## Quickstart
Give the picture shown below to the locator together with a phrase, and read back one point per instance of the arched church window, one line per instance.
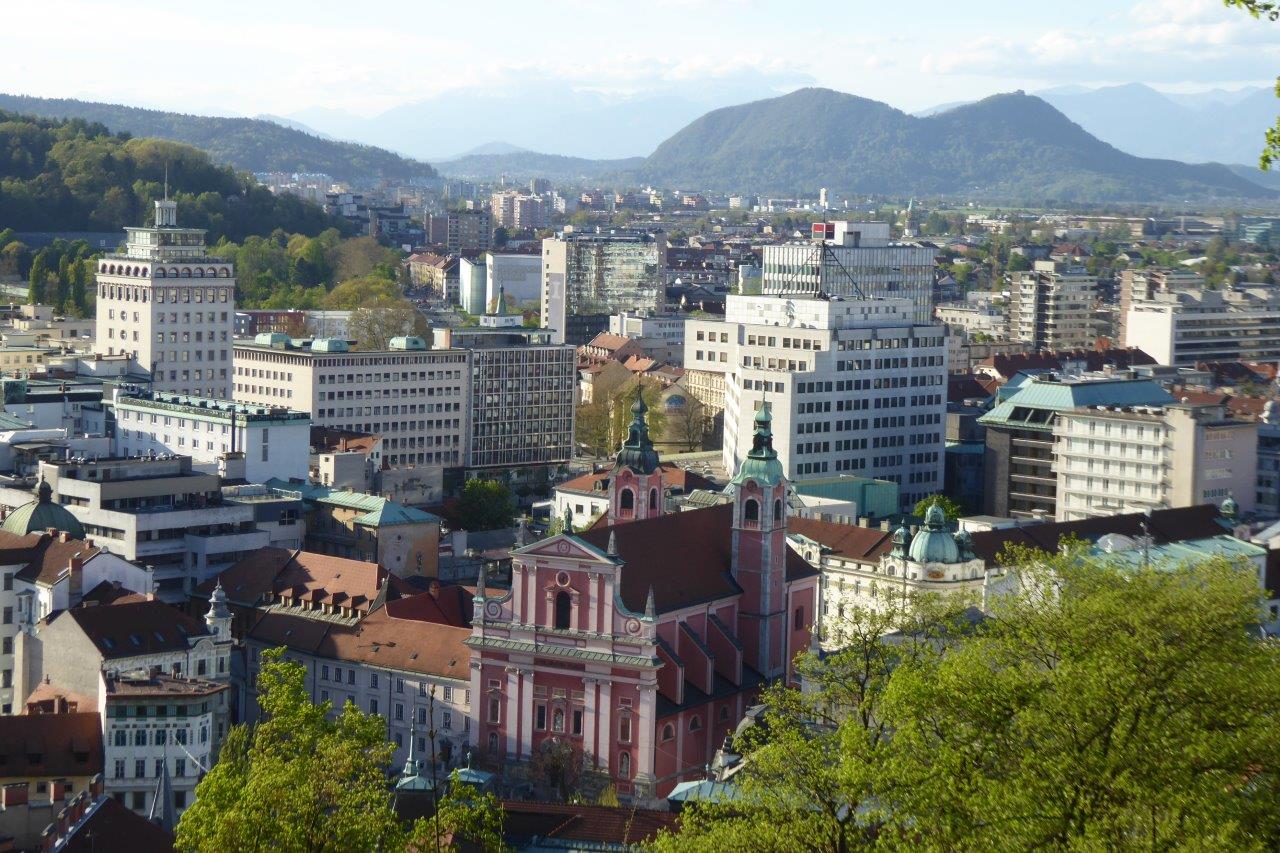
(777, 510)
(653, 499)
(627, 500)
(751, 511)
(564, 607)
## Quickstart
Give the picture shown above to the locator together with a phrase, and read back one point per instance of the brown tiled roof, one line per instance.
(1007, 365)
(673, 476)
(328, 440)
(850, 541)
(963, 387)
(136, 628)
(110, 592)
(111, 820)
(381, 639)
(48, 698)
(586, 825)
(302, 574)
(1164, 525)
(51, 744)
(52, 556)
(451, 605)
(685, 557)
(609, 341)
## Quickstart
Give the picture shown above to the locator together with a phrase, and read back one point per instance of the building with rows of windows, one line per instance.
(855, 386)
(169, 306)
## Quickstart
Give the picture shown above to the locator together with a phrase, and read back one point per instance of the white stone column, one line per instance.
(589, 715)
(526, 714)
(605, 734)
(513, 711)
(644, 722)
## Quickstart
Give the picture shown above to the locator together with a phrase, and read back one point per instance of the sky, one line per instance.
(285, 56)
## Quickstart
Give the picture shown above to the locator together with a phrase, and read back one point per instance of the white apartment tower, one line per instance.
(853, 260)
(856, 386)
(1052, 307)
(169, 306)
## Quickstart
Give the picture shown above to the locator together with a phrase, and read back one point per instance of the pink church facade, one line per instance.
(643, 641)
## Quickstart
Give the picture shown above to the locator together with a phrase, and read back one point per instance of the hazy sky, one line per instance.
(281, 56)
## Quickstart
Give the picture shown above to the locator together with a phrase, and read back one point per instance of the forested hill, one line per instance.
(1012, 146)
(253, 145)
(73, 175)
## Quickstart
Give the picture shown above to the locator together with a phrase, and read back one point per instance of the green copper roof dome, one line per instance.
(637, 451)
(933, 543)
(762, 463)
(42, 514)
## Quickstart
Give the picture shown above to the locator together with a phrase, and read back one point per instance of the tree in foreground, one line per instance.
(297, 780)
(1097, 708)
(950, 508)
(486, 505)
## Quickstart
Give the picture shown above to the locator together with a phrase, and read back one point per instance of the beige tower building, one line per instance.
(164, 302)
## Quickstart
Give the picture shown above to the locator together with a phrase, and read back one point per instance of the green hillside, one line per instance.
(73, 175)
(252, 145)
(1010, 146)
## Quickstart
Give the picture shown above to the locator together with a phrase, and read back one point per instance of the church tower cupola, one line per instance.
(760, 550)
(635, 489)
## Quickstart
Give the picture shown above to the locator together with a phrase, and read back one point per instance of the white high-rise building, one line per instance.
(1052, 307)
(855, 386)
(169, 306)
(854, 260)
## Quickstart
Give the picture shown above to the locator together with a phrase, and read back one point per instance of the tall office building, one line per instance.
(1187, 327)
(1143, 283)
(1051, 307)
(469, 231)
(169, 306)
(856, 260)
(587, 277)
(855, 386)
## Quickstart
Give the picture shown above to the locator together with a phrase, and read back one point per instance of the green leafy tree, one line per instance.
(298, 780)
(951, 508)
(38, 280)
(361, 256)
(593, 427)
(376, 321)
(81, 287)
(467, 820)
(486, 505)
(620, 401)
(1097, 707)
(354, 292)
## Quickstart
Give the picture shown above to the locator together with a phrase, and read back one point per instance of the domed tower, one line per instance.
(635, 489)
(218, 619)
(933, 543)
(43, 514)
(760, 551)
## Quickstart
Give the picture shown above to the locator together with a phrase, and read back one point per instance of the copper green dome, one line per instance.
(933, 543)
(762, 463)
(43, 514)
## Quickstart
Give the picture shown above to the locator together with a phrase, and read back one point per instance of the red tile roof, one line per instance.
(586, 825)
(109, 819)
(51, 745)
(328, 440)
(270, 572)
(685, 557)
(131, 629)
(1005, 366)
(673, 476)
(850, 541)
(53, 557)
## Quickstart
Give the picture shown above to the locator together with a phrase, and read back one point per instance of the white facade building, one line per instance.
(1185, 327)
(518, 276)
(169, 306)
(853, 260)
(471, 281)
(415, 398)
(274, 441)
(1051, 307)
(1111, 460)
(854, 385)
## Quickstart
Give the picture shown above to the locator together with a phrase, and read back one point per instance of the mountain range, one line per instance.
(253, 145)
(1012, 146)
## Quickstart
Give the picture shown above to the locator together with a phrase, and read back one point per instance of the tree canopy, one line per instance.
(72, 175)
(1094, 708)
(486, 505)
